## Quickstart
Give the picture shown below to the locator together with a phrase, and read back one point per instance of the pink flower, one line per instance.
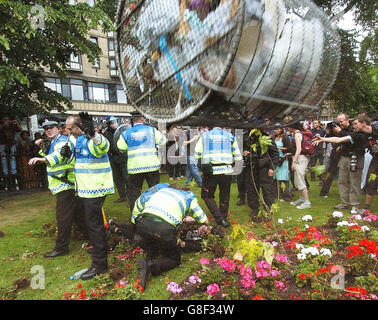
(281, 258)
(226, 264)
(274, 273)
(280, 285)
(204, 261)
(213, 289)
(193, 279)
(262, 264)
(174, 287)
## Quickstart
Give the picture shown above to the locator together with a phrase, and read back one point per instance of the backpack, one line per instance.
(307, 148)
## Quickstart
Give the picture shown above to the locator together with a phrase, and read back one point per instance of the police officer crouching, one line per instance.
(94, 182)
(157, 214)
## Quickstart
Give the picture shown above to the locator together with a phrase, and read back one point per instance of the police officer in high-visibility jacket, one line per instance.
(61, 183)
(141, 142)
(157, 214)
(94, 181)
(218, 150)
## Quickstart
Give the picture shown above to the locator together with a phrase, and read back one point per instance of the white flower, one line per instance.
(280, 221)
(357, 217)
(299, 246)
(337, 214)
(307, 226)
(326, 252)
(301, 256)
(373, 256)
(307, 218)
(352, 224)
(342, 223)
(365, 228)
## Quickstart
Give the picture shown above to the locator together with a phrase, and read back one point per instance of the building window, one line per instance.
(98, 92)
(54, 84)
(75, 63)
(113, 68)
(111, 47)
(121, 96)
(97, 60)
(77, 91)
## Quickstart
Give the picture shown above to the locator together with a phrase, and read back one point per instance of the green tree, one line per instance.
(28, 46)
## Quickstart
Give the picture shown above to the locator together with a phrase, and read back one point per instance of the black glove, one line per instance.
(66, 152)
(88, 126)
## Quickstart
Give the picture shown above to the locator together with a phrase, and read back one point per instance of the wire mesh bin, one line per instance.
(225, 60)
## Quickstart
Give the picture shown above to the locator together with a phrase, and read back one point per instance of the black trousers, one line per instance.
(259, 180)
(160, 243)
(241, 180)
(331, 172)
(136, 183)
(97, 233)
(120, 175)
(209, 186)
(69, 210)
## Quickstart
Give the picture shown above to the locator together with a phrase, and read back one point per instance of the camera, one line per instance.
(332, 124)
(353, 162)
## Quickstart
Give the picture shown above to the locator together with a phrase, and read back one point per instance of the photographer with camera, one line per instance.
(351, 161)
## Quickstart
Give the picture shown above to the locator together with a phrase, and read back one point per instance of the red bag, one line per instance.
(307, 148)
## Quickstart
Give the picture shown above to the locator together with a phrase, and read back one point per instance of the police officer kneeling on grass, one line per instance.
(157, 214)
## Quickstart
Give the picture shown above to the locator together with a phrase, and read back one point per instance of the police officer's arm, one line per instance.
(121, 143)
(98, 145)
(196, 212)
(198, 150)
(235, 150)
(160, 139)
(52, 159)
(138, 208)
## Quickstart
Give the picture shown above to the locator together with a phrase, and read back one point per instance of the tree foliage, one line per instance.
(26, 50)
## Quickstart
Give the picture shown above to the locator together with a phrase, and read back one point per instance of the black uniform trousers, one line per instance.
(209, 186)
(240, 180)
(69, 210)
(97, 233)
(159, 242)
(136, 183)
(259, 180)
(332, 171)
(120, 175)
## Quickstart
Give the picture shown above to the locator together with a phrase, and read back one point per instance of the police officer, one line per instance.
(260, 172)
(218, 150)
(118, 160)
(94, 182)
(61, 183)
(141, 142)
(156, 215)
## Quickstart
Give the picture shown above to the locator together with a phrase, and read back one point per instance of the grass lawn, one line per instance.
(25, 240)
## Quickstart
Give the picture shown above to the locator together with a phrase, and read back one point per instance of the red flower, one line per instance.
(79, 285)
(357, 227)
(82, 294)
(354, 251)
(258, 297)
(371, 246)
(302, 276)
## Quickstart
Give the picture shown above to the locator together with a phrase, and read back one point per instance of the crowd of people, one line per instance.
(84, 164)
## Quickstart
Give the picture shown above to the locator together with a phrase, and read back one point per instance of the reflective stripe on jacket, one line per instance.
(141, 143)
(92, 168)
(169, 204)
(57, 166)
(218, 147)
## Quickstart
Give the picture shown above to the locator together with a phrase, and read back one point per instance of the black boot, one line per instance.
(254, 216)
(143, 267)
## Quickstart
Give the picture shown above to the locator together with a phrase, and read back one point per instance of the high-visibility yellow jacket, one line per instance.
(170, 204)
(220, 148)
(140, 142)
(60, 174)
(93, 173)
